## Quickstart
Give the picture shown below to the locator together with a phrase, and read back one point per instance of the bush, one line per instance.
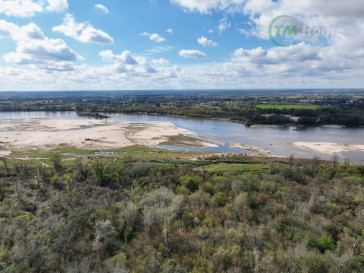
(324, 243)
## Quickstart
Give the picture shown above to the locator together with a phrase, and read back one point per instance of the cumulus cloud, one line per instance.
(160, 61)
(205, 6)
(102, 8)
(170, 30)
(206, 42)
(277, 55)
(124, 58)
(82, 32)
(126, 62)
(36, 50)
(194, 54)
(153, 37)
(13, 31)
(41, 51)
(57, 5)
(157, 38)
(28, 8)
(20, 8)
(340, 52)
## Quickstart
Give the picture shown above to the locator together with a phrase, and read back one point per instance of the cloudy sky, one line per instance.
(177, 44)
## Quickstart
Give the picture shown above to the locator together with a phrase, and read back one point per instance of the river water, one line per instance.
(268, 138)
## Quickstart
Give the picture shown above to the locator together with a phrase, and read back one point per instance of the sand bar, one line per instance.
(327, 147)
(85, 134)
(247, 147)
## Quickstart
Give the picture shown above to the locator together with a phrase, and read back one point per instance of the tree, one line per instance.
(102, 170)
(4, 160)
(159, 205)
(324, 243)
(291, 160)
(335, 160)
(56, 162)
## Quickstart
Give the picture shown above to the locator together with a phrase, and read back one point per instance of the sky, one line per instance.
(51, 45)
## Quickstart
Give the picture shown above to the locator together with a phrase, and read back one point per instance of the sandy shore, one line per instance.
(85, 134)
(247, 147)
(327, 147)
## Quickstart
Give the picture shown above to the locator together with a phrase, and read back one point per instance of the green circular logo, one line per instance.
(283, 29)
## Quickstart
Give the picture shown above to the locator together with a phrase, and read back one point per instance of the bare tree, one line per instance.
(335, 160)
(291, 160)
(347, 161)
(315, 163)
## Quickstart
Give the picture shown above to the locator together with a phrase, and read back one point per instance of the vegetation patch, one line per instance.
(184, 141)
(289, 106)
(140, 212)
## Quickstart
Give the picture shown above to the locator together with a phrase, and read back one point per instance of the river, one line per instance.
(273, 139)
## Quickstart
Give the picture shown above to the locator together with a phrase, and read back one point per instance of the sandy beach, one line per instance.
(20, 135)
(327, 147)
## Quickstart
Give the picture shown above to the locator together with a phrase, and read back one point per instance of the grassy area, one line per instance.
(289, 106)
(237, 168)
(135, 152)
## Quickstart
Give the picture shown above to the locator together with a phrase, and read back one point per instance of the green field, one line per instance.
(289, 106)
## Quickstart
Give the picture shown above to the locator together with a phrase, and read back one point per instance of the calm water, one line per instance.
(225, 131)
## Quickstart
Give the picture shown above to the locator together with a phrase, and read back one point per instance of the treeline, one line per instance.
(346, 115)
(343, 110)
(125, 215)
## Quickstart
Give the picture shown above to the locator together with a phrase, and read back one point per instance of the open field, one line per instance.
(289, 106)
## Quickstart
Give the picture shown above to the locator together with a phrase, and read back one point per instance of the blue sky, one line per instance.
(176, 44)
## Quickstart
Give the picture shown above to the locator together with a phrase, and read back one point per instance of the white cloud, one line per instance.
(156, 38)
(210, 31)
(13, 31)
(333, 56)
(170, 30)
(21, 8)
(205, 6)
(205, 42)
(57, 5)
(153, 37)
(35, 50)
(41, 51)
(160, 61)
(224, 24)
(124, 58)
(27, 8)
(82, 32)
(195, 54)
(102, 7)
(127, 63)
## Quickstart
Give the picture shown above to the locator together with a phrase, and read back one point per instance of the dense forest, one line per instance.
(231, 214)
(310, 108)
